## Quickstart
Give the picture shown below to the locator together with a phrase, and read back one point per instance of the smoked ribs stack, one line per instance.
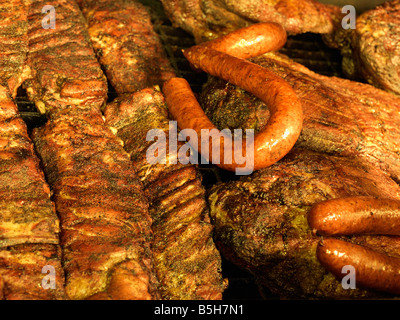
(29, 226)
(186, 260)
(110, 225)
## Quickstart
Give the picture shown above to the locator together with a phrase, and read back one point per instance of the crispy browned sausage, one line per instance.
(356, 215)
(274, 141)
(373, 270)
(251, 41)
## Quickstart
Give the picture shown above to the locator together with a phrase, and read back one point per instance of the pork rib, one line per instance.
(104, 216)
(186, 260)
(63, 67)
(29, 226)
(105, 225)
(128, 48)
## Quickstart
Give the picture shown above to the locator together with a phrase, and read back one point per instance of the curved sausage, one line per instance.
(251, 41)
(356, 215)
(274, 141)
(373, 270)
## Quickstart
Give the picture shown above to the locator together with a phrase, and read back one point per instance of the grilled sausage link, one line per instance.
(273, 142)
(356, 215)
(251, 41)
(374, 270)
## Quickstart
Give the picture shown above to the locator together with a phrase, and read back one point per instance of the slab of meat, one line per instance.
(63, 67)
(206, 19)
(29, 227)
(186, 260)
(126, 45)
(13, 43)
(261, 221)
(370, 51)
(341, 117)
(105, 232)
(349, 146)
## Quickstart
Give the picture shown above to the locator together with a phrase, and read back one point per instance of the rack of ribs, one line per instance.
(185, 257)
(62, 65)
(370, 51)
(126, 44)
(186, 261)
(104, 216)
(29, 226)
(105, 225)
(270, 236)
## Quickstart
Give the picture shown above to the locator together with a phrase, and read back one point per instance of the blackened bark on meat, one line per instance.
(63, 67)
(105, 225)
(126, 44)
(206, 19)
(341, 117)
(186, 260)
(261, 221)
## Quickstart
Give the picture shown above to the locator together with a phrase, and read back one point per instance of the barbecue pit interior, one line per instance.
(308, 49)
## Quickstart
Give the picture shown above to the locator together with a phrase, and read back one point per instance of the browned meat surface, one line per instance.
(104, 216)
(185, 257)
(341, 117)
(29, 226)
(62, 60)
(105, 225)
(13, 43)
(371, 52)
(27, 214)
(126, 45)
(349, 146)
(261, 221)
(207, 19)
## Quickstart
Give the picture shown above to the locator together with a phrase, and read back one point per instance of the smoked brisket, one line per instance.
(370, 51)
(349, 146)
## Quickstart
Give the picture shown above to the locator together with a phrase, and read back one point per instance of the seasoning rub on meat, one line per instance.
(186, 260)
(126, 44)
(63, 67)
(29, 226)
(105, 225)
